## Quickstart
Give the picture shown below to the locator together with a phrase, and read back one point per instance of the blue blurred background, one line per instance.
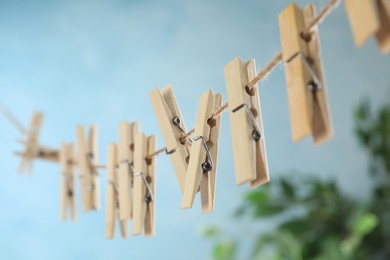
(83, 62)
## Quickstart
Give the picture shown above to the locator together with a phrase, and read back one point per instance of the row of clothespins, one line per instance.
(131, 162)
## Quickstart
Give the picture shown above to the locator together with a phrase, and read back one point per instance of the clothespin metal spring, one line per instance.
(206, 166)
(315, 83)
(256, 133)
(68, 179)
(131, 167)
(149, 197)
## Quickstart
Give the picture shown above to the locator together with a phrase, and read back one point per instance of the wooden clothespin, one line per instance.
(250, 157)
(68, 201)
(144, 185)
(32, 148)
(31, 144)
(306, 87)
(202, 167)
(127, 133)
(87, 161)
(112, 197)
(370, 18)
(172, 128)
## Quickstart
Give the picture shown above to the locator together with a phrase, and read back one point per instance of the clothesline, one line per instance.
(272, 65)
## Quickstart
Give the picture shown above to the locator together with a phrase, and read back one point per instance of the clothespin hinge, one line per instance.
(208, 165)
(256, 133)
(315, 83)
(149, 196)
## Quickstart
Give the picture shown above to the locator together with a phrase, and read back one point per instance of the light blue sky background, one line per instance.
(84, 62)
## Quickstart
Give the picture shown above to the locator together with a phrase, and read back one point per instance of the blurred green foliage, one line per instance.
(316, 219)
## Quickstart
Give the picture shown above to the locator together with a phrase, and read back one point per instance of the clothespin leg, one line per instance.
(140, 168)
(149, 225)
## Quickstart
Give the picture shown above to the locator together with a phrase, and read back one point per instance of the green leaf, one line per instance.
(257, 196)
(263, 242)
(268, 210)
(287, 246)
(297, 227)
(210, 231)
(364, 224)
(287, 188)
(240, 211)
(331, 250)
(362, 111)
(225, 250)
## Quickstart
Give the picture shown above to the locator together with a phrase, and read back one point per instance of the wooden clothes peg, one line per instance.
(31, 144)
(87, 161)
(322, 127)
(202, 166)
(250, 157)
(144, 185)
(172, 128)
(306, 87)
(370, 18)
(68, 201)
(112, 196)
(127, 133)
